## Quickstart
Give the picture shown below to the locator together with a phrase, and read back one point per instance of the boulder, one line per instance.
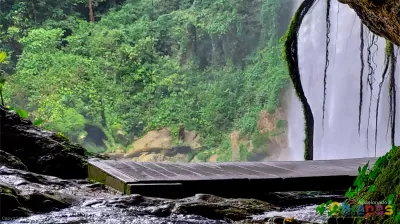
(23, 193)
(150, 157)
(218, 208)
(10, 204)
(158, 146)
(15, 204)
(41, 151)
(161, 140)
(6, 159)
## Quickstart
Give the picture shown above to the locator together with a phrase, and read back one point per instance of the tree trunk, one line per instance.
(34, 10)
(91, 15)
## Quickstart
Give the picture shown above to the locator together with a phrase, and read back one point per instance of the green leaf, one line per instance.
(390, 199)
(38, 122)
(371, 188)
(22, 113)
(364, 170)
(397, 217)
(3, 56)
(321, 209)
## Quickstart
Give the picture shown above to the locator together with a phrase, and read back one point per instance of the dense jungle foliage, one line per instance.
(109, 70)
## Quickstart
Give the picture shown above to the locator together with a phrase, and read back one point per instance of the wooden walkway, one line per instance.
(240, 179)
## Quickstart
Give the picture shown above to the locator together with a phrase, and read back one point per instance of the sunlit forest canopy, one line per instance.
(106, 72)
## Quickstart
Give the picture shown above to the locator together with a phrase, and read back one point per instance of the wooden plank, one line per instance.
(208, 172)
(112, 170)
(99, 175)
(189, 178)
(218, 172)
(234, 168)
(182, 173)
(148, 172)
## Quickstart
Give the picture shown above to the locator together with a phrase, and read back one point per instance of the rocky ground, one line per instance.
(33, 198)
(43, 180)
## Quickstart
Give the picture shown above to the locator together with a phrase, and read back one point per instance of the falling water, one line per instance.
(339, 138)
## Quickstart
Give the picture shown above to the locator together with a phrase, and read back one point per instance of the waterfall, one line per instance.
(340, 138)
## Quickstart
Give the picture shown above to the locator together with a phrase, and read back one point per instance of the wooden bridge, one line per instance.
(239, 179)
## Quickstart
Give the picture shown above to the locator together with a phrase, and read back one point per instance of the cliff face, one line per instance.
(381, 16)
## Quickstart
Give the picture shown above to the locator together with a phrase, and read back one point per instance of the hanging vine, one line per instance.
(361, 76)
(370, 78)
(291, 55)
(337, 31)
(328, 29)
(388, 50)
(392, 95)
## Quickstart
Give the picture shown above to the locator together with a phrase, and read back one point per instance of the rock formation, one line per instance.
(25, 146)
(381, 16)
(159, 146)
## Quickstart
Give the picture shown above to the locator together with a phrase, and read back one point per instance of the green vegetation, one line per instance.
(141, 65)
(291, 56)
(378, 184)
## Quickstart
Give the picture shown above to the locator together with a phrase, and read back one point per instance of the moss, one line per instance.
(204, 155)
(225, 156)
(281, 124)
(61, 137)
(243, 152)
(11, 203)
(291, 56)
(380, 16)
(328, 30)
(260, 140)
(190, 156)
(361, 76)
(388, 53)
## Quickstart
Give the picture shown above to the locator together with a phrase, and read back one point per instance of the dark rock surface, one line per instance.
(16, 204)
(27, 197)
(43, 180)
(380, 16)
(6, 159)
(294, 199)
(24, 193)
(41, 151)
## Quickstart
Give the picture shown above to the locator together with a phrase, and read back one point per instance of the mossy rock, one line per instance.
(10, 203)
(10, 161)
(41, 151)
